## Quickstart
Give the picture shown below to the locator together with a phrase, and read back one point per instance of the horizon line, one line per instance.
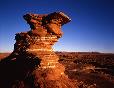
(69, 51)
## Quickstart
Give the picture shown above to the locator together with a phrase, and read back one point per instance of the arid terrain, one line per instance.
(89, 69)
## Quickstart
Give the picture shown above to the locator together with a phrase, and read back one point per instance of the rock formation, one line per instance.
(34, 61)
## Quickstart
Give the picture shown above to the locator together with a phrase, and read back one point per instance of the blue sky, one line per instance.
(91, 28)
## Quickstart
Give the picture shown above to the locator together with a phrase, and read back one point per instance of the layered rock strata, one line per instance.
(33, 52)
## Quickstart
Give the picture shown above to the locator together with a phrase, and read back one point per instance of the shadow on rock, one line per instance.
(16, 71)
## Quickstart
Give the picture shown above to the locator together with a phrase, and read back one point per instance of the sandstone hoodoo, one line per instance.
(36, 64)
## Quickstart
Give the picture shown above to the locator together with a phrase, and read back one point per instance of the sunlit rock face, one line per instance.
(38, 42)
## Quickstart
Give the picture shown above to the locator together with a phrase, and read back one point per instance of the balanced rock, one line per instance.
(35, 63)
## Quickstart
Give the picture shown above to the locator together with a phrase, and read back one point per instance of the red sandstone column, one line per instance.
(45, 31)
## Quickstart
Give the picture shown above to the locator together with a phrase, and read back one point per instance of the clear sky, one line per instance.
(91, 28)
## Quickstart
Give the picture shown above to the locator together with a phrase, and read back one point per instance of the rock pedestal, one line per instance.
(34, 49)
